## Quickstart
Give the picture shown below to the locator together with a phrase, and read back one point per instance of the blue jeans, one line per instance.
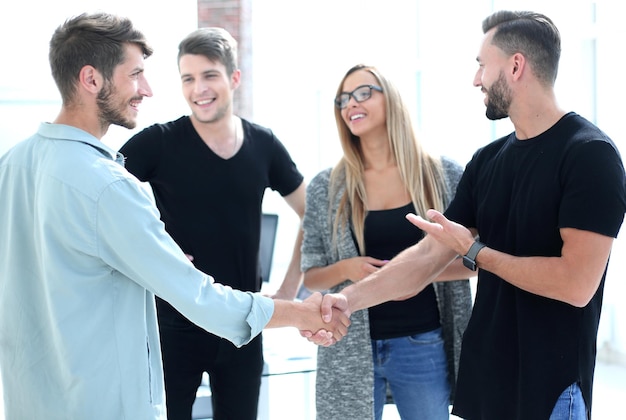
(416, 369)
(570, 405)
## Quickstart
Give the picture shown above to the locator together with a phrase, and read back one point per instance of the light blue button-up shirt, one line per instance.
(82, 254)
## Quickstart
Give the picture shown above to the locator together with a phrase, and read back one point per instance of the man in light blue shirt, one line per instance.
(83, 251)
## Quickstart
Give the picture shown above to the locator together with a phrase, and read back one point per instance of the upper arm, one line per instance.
(586, 253)
(296, 199)
(141, 153)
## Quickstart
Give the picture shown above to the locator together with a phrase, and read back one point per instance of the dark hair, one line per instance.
(216, 44)
(97, 40)
(532, 34)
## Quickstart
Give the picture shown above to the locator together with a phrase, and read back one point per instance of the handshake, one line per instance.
(413, 269)
(324, 319)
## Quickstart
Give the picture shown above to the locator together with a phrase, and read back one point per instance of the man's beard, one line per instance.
(111, 112)
(498, 99)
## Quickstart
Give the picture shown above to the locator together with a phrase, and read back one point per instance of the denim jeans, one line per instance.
(570, 405)
(416, 369)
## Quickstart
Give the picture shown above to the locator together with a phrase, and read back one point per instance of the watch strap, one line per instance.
(474, 249)
(469, 259)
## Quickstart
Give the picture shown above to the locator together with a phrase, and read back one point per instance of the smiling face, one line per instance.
(367, 117)
(118, 100)
(491, 78)
(207, 87)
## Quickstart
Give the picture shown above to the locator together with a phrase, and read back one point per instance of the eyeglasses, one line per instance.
(360, 94)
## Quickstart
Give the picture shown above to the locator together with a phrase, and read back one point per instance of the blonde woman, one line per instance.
(354, 222)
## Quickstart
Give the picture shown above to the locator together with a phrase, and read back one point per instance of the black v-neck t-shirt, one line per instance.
(212, 206)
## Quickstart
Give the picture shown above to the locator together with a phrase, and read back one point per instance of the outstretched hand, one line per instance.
(447, 232)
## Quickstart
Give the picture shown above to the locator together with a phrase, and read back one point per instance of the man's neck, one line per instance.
(82, 119)
(536, 116)
(224, 137)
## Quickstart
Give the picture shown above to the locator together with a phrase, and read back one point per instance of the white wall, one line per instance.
(610, 117)
(28, 94)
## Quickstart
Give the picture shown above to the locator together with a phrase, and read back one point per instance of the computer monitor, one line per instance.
(269, 224)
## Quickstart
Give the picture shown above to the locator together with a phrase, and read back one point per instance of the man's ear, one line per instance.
(90, 79)
(519, 65)
(235, 79)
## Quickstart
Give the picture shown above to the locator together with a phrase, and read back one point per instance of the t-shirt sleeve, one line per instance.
(284, 174)
(462, 207)
(142, 152)
(594, 192)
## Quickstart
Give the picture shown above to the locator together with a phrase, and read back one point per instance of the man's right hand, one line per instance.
(333, 307)
(334, 302)
(332, 330)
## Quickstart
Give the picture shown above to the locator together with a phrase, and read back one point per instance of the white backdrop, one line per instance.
(28, 94)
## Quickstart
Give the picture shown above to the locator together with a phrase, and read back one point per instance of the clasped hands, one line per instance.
(329, 328)
(331, 319)
(334, 314)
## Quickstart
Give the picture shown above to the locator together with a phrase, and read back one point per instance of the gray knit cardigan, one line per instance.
(344, 380)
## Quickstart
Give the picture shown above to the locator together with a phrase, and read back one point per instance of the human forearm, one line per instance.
(354, 269)
(286, 314)
(407, 274)
(288, 289)
(456, 271)
(323, 278)
(573, 277)
(293, 277)
(305, 316)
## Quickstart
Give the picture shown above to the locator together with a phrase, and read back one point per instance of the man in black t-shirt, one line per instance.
(209, 172)
(536, 212)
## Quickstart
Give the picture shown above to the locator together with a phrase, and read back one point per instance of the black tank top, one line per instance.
(387, 232)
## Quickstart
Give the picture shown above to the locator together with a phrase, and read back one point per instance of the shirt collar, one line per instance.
(70, 133)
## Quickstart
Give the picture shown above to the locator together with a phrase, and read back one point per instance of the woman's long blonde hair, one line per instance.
(420, 172)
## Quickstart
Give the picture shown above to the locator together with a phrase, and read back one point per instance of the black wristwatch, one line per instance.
(469, 259)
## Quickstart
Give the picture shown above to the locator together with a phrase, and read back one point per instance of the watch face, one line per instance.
(469, 263)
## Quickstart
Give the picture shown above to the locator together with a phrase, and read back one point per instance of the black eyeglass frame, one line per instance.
(344, 97)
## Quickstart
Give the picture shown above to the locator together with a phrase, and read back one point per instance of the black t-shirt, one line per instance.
(521, 350)
(212, 206)
(387, 232)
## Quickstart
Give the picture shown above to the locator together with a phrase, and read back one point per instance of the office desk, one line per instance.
(288, 381)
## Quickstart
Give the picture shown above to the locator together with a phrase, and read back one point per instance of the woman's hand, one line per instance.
(357, 268)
